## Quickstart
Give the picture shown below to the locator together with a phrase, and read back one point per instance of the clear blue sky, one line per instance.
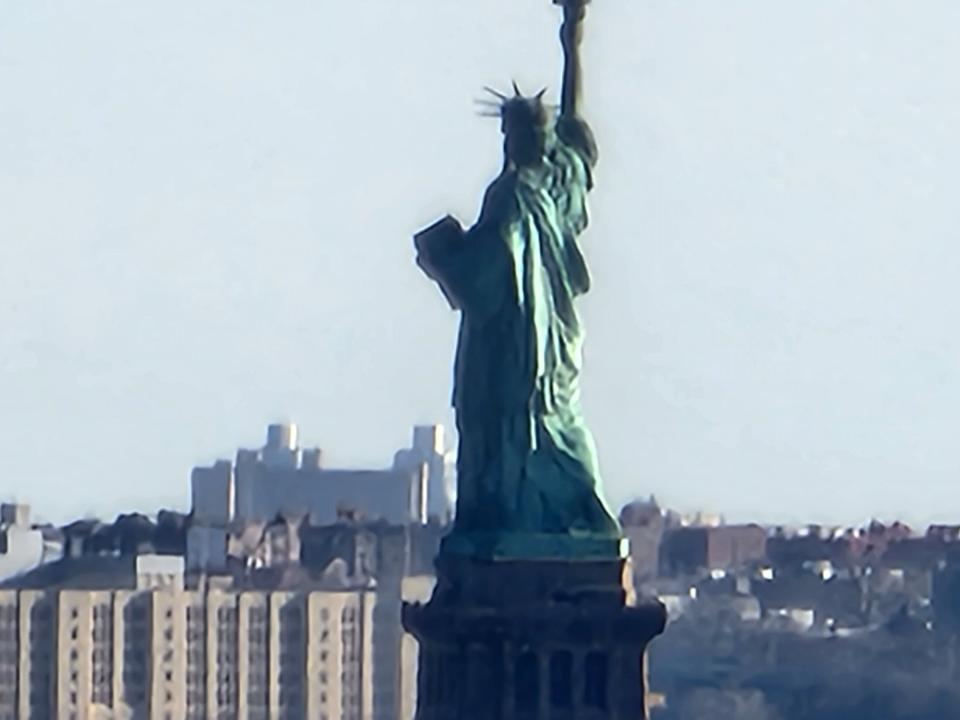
(206, 210)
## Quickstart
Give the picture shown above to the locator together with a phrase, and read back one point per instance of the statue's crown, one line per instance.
(516, 109)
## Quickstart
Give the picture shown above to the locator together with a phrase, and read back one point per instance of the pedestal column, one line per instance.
(532, 640)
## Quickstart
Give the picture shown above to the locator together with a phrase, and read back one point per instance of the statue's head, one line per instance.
(525, 123)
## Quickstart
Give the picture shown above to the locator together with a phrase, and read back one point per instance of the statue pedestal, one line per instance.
(532, 640)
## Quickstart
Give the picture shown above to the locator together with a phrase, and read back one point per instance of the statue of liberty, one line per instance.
(527, 472)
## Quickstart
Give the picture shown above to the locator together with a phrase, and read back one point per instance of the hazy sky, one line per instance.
(206, 210)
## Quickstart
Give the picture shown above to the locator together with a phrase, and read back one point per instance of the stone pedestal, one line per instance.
(532, 640)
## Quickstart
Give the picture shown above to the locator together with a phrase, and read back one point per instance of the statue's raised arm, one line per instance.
(571, 126)
(571, 35)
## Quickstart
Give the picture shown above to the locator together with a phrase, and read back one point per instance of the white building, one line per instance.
(283, 478)
(21, 547)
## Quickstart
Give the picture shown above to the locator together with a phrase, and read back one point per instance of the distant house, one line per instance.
(695, 550)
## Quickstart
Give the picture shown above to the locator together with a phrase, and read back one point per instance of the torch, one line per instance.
(571, 34)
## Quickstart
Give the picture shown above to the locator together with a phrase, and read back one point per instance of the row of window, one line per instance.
(441, 681)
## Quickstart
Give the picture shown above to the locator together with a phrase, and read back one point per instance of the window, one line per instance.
(595, 681)
(527, 687)
(561, 678)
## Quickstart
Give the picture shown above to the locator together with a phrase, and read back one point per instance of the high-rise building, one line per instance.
(163, 653)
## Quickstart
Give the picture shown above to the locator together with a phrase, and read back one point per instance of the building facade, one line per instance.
(693, 550)
(165, 653)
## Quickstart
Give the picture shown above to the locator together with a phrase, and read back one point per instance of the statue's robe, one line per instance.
(527, 462)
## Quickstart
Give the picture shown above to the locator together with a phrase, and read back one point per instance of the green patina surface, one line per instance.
(527, 471)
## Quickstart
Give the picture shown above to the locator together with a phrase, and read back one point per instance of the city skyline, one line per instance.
(184, 189)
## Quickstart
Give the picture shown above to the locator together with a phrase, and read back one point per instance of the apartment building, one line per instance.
(163, 653)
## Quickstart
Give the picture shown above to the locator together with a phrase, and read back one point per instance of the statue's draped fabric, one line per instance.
(527, 462)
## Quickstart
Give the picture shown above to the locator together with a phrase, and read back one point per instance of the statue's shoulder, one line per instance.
(574, 131)
(500, 199)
